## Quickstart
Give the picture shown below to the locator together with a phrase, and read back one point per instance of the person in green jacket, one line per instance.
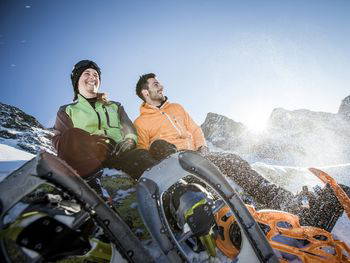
(92, 132)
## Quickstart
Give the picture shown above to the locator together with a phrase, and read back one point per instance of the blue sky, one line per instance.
(241, 59)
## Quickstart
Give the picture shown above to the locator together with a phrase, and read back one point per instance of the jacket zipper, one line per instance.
(107, 116)
(99, 120)
(177, 129)
(99, 123)
(172, 123)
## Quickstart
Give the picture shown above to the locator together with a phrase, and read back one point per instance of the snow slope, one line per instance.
(11, 158)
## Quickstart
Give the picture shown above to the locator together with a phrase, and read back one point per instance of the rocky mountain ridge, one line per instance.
(296, 138)
(23, 131)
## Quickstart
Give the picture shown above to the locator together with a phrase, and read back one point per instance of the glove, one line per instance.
(124, 146)
(105, 147)
(203, 150)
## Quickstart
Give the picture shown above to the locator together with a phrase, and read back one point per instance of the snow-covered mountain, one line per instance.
(23, 131)
(298, 137)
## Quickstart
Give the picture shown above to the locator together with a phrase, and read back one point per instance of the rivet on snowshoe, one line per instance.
(58, 229)
(38, 246)
(24, 241)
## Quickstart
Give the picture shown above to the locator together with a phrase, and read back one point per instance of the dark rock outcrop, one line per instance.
(23, 131)
(222, 131)
(344, 108)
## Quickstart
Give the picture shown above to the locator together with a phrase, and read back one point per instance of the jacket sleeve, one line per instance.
(195, 131)
(127, 127)
(143, 137)
(63, 123)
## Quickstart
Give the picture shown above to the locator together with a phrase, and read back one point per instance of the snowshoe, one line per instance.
(49, 213)
(194, 214)
(178, 234)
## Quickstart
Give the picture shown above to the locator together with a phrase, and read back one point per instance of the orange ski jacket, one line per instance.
(171, 123)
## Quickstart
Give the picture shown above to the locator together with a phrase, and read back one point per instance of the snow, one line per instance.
(8, 153)
(341, 229)
(11, 159)
(122, 194)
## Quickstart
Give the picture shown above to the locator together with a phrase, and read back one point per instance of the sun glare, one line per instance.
(256, 124)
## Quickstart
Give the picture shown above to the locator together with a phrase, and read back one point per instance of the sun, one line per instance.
(255, 123)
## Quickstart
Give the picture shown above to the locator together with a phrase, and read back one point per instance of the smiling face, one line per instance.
(154, 94)
(89, 83)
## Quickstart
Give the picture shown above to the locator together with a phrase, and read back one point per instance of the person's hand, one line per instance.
(124, 146)
(105, 147)
(203, 150)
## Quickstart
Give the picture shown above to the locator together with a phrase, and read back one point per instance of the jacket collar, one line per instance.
(83, 101)
(148, 108)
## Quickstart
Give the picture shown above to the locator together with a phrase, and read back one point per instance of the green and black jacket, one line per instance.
(106, 119)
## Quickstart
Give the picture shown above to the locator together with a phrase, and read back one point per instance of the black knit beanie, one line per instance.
(78, 70)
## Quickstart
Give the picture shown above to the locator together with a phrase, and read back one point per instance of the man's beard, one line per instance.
(157, 97)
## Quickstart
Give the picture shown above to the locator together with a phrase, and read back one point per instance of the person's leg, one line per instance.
(80, 151)
(134, 162)
(161, 149)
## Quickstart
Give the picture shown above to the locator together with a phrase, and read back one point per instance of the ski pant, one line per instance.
(82, 152)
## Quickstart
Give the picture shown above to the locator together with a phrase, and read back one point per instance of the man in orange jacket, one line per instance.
(162, 124)
(164, 127)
